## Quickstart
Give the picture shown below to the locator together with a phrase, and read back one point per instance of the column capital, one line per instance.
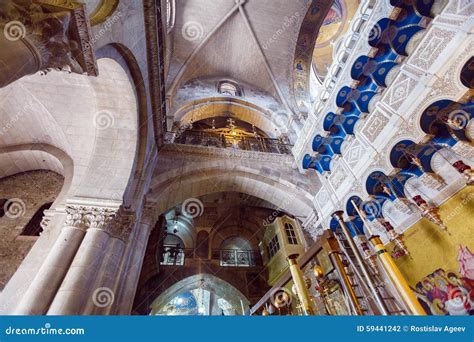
(84, 217)
(150, 213)
(56, 31)
(122, 224)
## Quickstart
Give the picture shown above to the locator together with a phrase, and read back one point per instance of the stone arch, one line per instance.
(195, 183)
(459, 68)
(55, 155)
(263, 119)
(92, 120)
(345, 201)
(365, 176)
(122, 55)
(226, 289)
(218, 236)
(418, 113)
(390, 146)
(308, 33)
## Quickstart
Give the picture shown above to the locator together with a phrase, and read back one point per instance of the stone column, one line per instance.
(132, 266)
(40, 36)
(44, 286)
(74, 291)
(102, 294)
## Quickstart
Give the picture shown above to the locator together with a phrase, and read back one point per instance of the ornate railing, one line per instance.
(257, 144)
(175, 255)
(238, 258)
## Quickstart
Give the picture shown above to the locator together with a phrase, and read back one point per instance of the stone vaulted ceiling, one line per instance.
(249, 41)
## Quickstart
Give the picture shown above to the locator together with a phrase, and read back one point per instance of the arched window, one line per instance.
(173, 251)
(291, 234)
(236, 243)
(229, 88)
(236, 251)
(33, 227)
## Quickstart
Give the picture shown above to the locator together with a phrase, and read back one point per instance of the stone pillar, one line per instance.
(44, 286)
(132, 266)
(74, 291)
(40, 36)
(102, 294)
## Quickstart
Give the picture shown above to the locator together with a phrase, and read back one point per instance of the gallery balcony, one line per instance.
(245, 143)
(177, 256)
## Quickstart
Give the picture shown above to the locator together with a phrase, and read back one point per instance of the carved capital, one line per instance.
(121, 226)
(76, 216)
(101, 218)
(150, 213)
(84, 217)
(56, 31)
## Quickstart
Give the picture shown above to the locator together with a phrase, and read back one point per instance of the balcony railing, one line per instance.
(174, 255)
(238, 258)
(257, 144)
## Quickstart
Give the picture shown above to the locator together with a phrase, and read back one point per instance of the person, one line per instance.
(457, 303)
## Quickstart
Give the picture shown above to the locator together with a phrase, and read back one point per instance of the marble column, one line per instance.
(51, 273)
(74, 291)
(43, 36)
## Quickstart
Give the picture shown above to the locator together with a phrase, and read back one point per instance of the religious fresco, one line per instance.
(307, 37)
(334, 26)
(445, 292)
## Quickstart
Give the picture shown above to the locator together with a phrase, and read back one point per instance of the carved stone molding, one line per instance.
(431, 47)
(399, 91)
(375, 125)
(117, 222)
(84, 217)
(354, 153)
(212, 152)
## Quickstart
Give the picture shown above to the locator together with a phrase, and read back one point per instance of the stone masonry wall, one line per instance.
(28, 191)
